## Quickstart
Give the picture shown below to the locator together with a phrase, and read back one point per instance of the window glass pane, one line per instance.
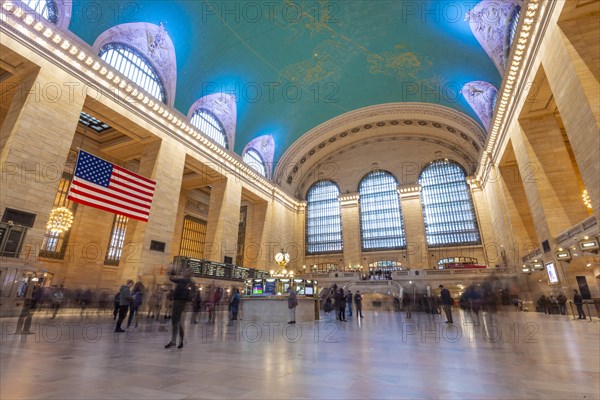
(447, 206)
(193, 238)
(381, 224)
(116, 240)
(323, 219)
(46, 8)
(54, 243)
(254, 160)
(135, 67)
(210, 126)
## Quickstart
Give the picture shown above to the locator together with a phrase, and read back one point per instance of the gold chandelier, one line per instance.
(586, 199)
(60, 220)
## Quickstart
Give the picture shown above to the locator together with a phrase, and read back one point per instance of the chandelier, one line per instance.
(60, 220)
(586, 199)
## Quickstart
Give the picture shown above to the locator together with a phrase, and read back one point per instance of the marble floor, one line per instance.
(509, 355)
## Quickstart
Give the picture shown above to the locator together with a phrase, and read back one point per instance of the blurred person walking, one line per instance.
(578, 301)
(447, 302)
(137, 295)
(358, 303)
(183, 292)
(292, 304)
(349, 303)
(124, 302)
(235, 304)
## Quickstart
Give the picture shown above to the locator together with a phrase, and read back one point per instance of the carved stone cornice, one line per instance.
(414, 115)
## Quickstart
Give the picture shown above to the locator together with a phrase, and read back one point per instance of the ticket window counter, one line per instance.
(18, 284)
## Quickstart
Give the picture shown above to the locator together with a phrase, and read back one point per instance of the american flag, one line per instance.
(100, 184)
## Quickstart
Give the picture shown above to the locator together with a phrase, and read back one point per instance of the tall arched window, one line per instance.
(210, 125)
(46, 8)
(323, 219)
(255, 161)
(447, 205)
(381, 225)
(135, 67)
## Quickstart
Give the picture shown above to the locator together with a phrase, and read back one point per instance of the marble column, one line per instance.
(162, 162)
(36, 137)
(414, 227)
(576, 93)
(351, 229)
(223, 219)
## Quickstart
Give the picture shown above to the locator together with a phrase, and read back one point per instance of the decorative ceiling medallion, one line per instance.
(394, 122)
(462, 135)
(332, 139)
(380, 123)
(422, 123)
(295, 169)
(289, 179)
(355, 130)
(311, 152)
(368, 126)
(407, 122)
(437, 125)
(321, 145)
(343, 134)
(450, 129)
(302, 160)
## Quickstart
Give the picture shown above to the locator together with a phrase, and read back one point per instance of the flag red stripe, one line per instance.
(126, 188)
(87, 186)
(121, 169)
(120, 188)
(108, 202)
(119, 176)
(94, 205)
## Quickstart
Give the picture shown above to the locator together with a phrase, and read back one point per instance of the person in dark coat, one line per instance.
(124, 302)
(447, 302)
(183, 292)
(578, 301)
(235, 304)
(137, 296)
(292, 304)
(358, 303)
(341, 298)
(349, 303)
(196, 306)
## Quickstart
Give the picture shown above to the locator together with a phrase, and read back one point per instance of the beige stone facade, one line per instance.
(547, 155)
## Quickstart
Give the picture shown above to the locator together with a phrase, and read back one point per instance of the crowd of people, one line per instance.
(341, 303)
(133, 298)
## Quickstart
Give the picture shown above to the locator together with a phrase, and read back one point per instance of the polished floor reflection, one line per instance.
(508, 355)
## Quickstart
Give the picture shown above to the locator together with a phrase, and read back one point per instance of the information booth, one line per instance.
(265, 299)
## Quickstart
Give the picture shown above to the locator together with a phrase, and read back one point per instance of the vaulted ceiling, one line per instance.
(294, 65)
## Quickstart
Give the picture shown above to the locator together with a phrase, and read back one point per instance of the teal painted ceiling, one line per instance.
(293, 65)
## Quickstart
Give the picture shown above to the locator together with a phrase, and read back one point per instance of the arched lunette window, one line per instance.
(255, 161)
(323, 219)
(135, 67)
(210, 125)
(447, 205)
(381, 224)
(46, 8)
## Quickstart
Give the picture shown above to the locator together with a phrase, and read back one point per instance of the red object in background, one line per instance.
(459, 266)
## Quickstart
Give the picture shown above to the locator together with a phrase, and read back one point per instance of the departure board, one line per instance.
(211, 269)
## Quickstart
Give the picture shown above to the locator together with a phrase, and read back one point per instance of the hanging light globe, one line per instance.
(60, 220)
